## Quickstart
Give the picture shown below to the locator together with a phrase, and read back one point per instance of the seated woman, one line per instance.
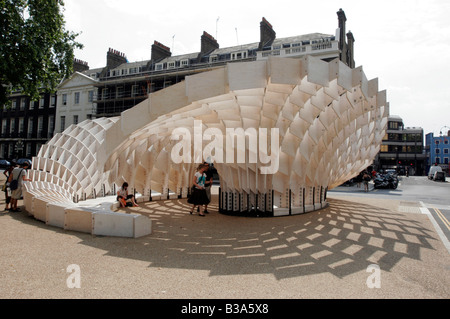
(123, 196)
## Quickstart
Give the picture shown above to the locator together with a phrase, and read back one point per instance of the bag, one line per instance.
(14, 184)
(4, 188)
(191, 191)
(129, 204)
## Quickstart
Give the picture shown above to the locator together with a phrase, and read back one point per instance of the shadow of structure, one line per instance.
(342, 239)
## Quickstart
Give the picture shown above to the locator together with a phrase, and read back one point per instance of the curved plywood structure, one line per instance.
(280, 132)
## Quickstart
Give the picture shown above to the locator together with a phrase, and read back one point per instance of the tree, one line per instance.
(35, 49)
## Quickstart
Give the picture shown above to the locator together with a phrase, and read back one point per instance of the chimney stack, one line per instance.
(115, 58)
(267, 36)
(80, 66)
(346, 54)
(350, 52)
(159, 52)
(208, 44)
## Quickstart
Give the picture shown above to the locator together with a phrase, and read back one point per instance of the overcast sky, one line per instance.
(403, 43)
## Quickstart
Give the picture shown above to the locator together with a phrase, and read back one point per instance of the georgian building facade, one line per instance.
(75, 101)
(120, 85)
(26, 125)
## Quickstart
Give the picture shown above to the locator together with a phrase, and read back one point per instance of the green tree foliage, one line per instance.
(35, 49)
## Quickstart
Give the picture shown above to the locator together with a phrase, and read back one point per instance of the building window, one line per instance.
(393, 125)
(53, 101)
(159, 66)
(30, 127)
(91, 96)
(445, 160)
(64, 99)
(4, 124)
(119, 92)
(105, 93)
(239, 55)
(184, 62)
(437, 151)
(41, 102)
(171, 65)
(14, 105)
(31, 105)
(437, 142)
(12, 125)
(23, 103)
(445, 150)
(77, 98)
(51, 125)
(134, 90)
(75, 119)
(40, 126)
(384, 148)
(29, 150)
(63, 123)
(21, 125)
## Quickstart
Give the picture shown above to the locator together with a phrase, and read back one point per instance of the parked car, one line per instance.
(433, 170)
(4, 163)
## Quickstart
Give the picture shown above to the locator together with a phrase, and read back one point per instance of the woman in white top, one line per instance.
(122, 193)
(199, 196)
(19, 174)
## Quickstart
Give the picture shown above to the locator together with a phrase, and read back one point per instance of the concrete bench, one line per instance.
(95, 216)
(106, 222)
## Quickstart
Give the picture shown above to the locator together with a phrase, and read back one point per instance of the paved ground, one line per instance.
(337, 252)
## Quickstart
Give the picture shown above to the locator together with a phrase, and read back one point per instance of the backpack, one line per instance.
(14, 184)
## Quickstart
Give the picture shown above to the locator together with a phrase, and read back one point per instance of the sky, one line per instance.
(403, 43)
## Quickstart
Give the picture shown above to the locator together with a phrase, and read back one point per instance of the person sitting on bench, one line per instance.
(123, 196)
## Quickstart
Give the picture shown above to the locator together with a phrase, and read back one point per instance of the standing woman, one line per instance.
(199, 197)
(7, 191)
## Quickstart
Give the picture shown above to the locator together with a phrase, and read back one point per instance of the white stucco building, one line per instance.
(75, 101)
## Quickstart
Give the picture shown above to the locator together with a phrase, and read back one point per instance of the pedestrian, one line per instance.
(19, 174)
(208, 184)
(123, 196)
(374, 174)
(198, 196)
(7, 172)
(359, 179)
(366, 179)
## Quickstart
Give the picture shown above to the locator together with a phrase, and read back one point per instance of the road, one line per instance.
(415, 193)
